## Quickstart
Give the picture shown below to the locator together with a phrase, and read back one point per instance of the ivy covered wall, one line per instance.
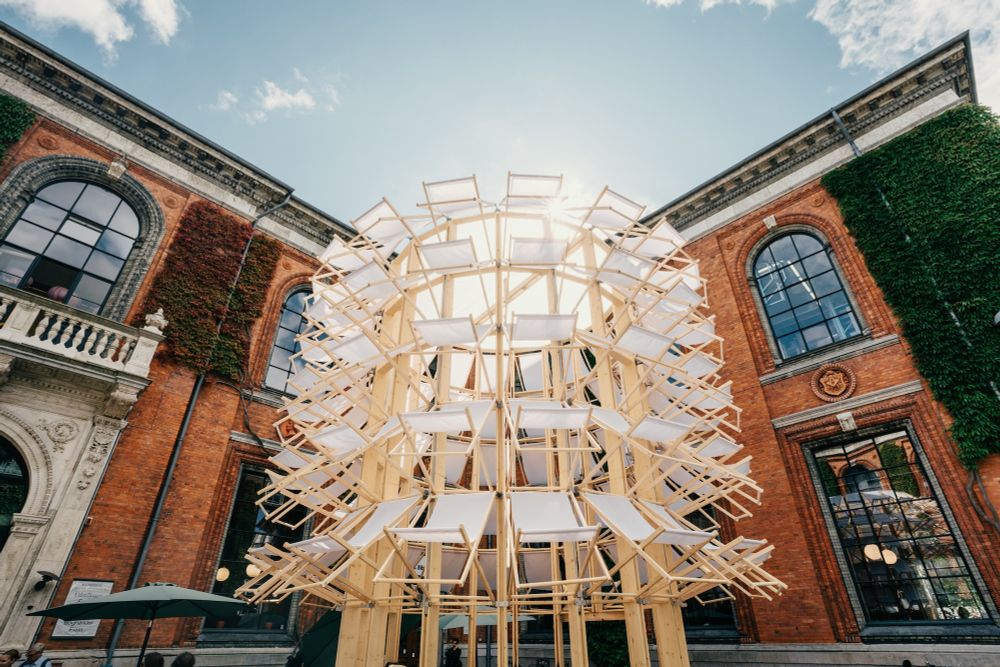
(942, 184)
(15, 118)
(193, 285)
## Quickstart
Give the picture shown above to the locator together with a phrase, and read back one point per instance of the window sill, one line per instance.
(709, 635)
(244, 638)
(931, 632)
(838, 352)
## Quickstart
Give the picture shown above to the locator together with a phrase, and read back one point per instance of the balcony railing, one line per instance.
(49, 326)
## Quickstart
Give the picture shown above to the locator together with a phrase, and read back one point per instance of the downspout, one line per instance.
(983, 507)
(161, 496)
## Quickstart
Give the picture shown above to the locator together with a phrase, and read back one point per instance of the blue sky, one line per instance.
(350, 101)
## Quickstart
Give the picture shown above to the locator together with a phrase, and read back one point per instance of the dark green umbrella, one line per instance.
(152, 601)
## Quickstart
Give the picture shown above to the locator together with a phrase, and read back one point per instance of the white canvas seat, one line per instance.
(453, 418)
(451, 515)
(537, 252)
(659, 430)
(643, 342)
(542, 327)
(532, 414)
(460, 254)
(613, 211)
(450, 331)
(718, 447)
(548, 516)
(622, 516)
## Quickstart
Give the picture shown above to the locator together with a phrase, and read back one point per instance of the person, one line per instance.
(185, 659)
(153, 659)
(8, 657)
(453, 655)
(34, 657)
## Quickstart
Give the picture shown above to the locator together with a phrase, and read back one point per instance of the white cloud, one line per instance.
(224, 101)
(883, 35)
(163, 16)
(104, 20)
(273, 97)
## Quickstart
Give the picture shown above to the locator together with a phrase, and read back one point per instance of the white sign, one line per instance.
(82, 590)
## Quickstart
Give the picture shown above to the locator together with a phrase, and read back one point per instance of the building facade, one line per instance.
(866, 498)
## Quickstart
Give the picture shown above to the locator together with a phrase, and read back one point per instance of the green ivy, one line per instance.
(15, 118)
(942, 181)
(607, 643)
(193, 287)
(897, 467)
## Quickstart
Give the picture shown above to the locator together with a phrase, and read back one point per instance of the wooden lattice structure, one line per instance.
(516, 407)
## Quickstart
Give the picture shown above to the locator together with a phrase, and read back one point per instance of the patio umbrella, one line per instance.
(152, 601)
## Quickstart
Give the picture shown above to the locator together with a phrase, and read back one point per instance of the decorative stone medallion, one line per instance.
(60, 432)
(47, 142)
(833, 382)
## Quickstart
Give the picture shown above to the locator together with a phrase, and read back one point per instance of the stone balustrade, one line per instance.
(55, 328)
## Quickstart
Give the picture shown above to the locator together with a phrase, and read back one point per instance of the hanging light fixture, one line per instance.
(252, 570)
(889, 556)
(222, 574)
(872, 552)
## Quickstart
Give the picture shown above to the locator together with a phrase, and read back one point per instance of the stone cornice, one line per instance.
(46, 72)
(846, 405)
(947, 67)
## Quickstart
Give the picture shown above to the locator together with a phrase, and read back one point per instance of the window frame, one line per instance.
(19, 459)
(28, 177)
(907, 631)
(758, 299)
(250, 636)
(303, 289)
(70, 217)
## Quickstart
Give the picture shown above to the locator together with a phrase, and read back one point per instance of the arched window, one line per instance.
(803, 295)
(70, 244)
(280, 366)
(13, 487)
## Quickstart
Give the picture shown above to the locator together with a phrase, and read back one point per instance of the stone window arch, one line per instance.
(801, 295)
(46, 174)
(14, 485)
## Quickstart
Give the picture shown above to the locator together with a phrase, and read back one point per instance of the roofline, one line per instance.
(167, 120)
(930, 55)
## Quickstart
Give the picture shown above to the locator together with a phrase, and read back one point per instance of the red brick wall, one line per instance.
(816, 607)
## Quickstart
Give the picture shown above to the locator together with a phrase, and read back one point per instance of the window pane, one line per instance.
(817, 264)
(776, 303)
(769, 284)
(808, 314)
(291, 323)
(765, 263)
(68, 251)
(792, 274)
(817, 336)
(91, 289)
(51, 279)
(115, 243)
(104, 265)
(61, 194)
(901, 549)
(43, 214)
(13, 265)
(784, 324)
(835, 304)
(791, 346)
(783, 251)
(806, 244)
(844, 327)
(79, 232)
(825, 283)
(97, 204)
(800, 294)
(29, 236)
(125, 221)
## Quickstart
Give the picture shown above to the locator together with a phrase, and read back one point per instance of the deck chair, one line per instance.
(323, 559)
(645, 529)
(455, 518)
(553, 517)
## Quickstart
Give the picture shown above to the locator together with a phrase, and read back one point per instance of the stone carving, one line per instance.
(117, 168)
(833, 382)
(171, 201)
(27, 525)
(6, 365)
(47, 142)
(120, 401)
(105, 432)
(59, 432)
(156, 322)
(846, 421)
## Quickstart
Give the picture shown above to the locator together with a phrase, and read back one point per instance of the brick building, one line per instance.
(848, 442)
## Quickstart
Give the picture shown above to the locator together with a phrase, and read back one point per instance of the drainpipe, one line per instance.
(175, 453)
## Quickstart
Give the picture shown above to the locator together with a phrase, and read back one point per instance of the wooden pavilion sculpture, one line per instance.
(516, 407)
